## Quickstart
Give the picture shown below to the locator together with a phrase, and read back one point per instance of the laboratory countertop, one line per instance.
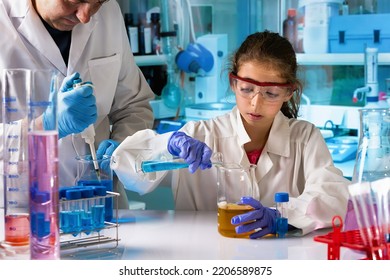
(193, 235)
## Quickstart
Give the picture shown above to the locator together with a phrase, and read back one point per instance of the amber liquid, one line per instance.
(225, 214)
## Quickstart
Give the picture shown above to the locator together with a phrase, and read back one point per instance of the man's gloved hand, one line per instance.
(262, 217)
(107, 147)
(76, 108)
(196, 153)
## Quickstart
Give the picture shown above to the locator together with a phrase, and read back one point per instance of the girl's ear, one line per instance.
(288, 97)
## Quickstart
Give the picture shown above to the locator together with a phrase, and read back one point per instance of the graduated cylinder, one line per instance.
(15, 85)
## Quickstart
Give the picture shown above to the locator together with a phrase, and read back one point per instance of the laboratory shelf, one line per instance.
(150, 60)
(303, 59)
(339, 59)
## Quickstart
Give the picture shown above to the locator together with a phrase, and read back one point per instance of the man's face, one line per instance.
(66, 14)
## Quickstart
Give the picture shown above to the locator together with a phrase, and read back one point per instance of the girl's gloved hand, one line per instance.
(196, 153)
(76, 108)
(107, 147)
(262, 218)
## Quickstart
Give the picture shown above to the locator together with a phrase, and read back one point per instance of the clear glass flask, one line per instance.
(373, 155)
(234, 181)
(87, 176)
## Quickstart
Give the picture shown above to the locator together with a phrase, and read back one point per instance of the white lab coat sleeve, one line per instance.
(145, 144)
(325, 192)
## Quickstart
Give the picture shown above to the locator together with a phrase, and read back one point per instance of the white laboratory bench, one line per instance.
(193, 235)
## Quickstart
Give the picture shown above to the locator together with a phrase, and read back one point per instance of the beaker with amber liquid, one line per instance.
(234, 181)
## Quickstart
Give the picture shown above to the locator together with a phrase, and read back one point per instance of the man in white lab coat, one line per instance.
(87, 37)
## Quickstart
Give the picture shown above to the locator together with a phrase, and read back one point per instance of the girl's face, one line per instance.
(259, 110)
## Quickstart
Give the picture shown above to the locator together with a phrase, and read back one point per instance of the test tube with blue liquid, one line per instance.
(98, 207)
(145, 162)
(74, 211)
(87, 194)
(162, 165)
(64, 211)
(281, 199)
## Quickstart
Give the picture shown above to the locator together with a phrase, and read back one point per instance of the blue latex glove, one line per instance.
(262, 217)
(107, 147)
(76, 108)
(196, 153)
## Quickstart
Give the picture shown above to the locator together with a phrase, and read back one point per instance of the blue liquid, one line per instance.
(40, 227)
(86, 222)
(74, 218)
(98, 216)
(64, 221)
(153, 166)
(281, 227)
(77, 221)
(109, 201)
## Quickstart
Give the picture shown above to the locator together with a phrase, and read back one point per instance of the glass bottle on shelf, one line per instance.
(144, 32)
(290, 27)
(132, 32)
(155, 33)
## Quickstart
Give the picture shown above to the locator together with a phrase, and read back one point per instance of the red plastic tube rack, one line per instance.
(353, 240)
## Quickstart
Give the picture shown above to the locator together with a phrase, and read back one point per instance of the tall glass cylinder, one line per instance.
(15, 87)
(43, 166)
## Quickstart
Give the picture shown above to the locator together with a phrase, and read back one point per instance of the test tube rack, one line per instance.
(96, 238)
(350, 239)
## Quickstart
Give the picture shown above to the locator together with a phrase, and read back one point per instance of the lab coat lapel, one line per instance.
(243, 136)
(279, 137)
(80, 37)
(41, 39)
(278, 143)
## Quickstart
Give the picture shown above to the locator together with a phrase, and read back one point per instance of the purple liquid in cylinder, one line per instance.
(44, 200)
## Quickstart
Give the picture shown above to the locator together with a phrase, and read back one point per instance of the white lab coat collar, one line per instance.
(278, 142)
(279, 137)
(243, 136)
(80, 37)
(42, 40)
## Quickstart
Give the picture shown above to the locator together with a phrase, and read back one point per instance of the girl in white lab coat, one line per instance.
(262, 129)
